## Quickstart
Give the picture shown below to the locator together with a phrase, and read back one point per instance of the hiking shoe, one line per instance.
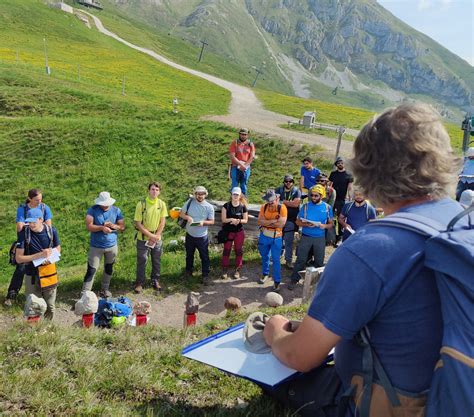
(105, 294)
(188, 274)
(263, 279)
(224, 275)
(156, 285)
(236, 274)
(8, 302)
(292, 285)
(138, 289)
(276, 286)
(206, 280)
(289, 265)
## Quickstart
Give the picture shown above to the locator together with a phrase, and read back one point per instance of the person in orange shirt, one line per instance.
(271, 219)
(242, 154)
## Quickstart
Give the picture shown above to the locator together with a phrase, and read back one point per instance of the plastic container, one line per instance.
(189, 319)
(141, 320)
(33, 319)
(87, 320)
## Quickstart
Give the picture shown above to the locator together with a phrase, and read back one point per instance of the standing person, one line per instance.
(271, 219)
(466, 177)
(103, 221)
(330, 191)
(290, 196)
(234, 215)
(199, 214)
(315, 217)
(356, 214)
(309, 176)
(36, 240)
(241, 154)
(150, 218)
(341, 181)
(404, 162)
(34, 200)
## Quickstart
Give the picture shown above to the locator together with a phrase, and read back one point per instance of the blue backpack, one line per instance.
(112, 307)
(450, 254)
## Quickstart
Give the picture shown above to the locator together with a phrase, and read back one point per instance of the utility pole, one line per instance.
(204, 44)
(48, 70)
(259, 71)
(340, 132)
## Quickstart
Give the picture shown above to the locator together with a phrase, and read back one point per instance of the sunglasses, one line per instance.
(288, 181)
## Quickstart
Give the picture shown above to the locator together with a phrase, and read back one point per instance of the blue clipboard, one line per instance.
(226, 351)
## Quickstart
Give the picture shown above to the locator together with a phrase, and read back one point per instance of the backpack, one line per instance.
(26, 228)
(112, 307)
(12, 251)
(450, 254)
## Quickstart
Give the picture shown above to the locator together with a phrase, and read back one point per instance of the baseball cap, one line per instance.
(270, 195)
(33, 215)
(244, 130)
(236, 190)
(288, 177)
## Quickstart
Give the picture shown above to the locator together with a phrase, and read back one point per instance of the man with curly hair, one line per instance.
(377, 280)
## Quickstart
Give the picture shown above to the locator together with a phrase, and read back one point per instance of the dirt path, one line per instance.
(245, 109)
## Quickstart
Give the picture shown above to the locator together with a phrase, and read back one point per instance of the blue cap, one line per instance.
(33, 215)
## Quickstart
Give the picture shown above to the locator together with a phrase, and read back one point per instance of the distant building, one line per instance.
(309, 118)
(90, 3)
(62, 6)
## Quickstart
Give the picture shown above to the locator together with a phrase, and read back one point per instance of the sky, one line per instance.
(449, 22)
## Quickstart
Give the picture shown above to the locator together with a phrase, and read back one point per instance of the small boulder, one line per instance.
(88, 304)
(192, 303)
(232, 304)
(142, 308)
(34, 306)
(273, 299)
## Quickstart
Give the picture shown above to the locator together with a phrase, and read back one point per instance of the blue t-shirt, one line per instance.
(199, 212)
(377, 278)
(20, 212)
(310, 176)
(320, 212)
(38, 242)
(356, 217)
(112, 215)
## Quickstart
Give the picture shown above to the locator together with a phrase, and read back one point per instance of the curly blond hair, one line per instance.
(405, 153)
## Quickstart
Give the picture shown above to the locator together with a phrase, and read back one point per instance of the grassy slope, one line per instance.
(89, 137)
(334, 114)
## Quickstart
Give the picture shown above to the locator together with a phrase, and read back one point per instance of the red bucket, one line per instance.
(33, 319)
(87, 320)
(141, 319)
(190, 319)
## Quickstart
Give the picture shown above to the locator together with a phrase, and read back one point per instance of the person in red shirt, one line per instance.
(242, 154)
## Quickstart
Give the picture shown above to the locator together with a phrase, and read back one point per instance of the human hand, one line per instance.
(45, 253)
(190, 219)
(276, 324)
(156, 237)
(106, 230)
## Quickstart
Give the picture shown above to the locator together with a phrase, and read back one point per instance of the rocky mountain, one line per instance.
(351, 45)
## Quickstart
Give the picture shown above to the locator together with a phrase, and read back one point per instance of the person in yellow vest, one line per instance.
(150, 218)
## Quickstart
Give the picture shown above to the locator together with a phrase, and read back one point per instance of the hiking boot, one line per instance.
(206, 280)
(188, 274)
(105, 294)
(236, 274)
(263, 279)
(224, 275)
(289, 265)
(156, 285)
(292, 285)
(138, 289)
(276, 286)
(8, 302)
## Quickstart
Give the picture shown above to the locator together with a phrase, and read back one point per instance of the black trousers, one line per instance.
(16, 281)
